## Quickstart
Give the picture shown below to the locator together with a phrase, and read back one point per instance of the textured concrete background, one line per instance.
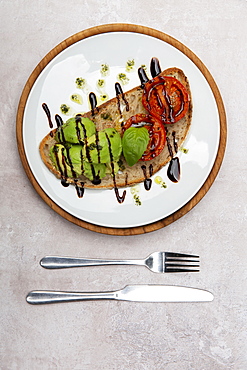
(121, 335)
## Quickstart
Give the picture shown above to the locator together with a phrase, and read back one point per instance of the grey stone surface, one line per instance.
(121, 335)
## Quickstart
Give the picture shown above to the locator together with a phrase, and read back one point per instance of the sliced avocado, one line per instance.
(61, 158)
(75, 129)
(94, 171)
(76, 153)
(103, 147)
(111, 166)
(68, 160)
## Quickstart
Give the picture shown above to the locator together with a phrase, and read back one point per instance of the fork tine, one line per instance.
(180, 260)
(180, 270)
(172, 254)
(180, 265)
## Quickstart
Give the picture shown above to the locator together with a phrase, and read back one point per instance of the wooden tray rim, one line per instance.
(123, 27)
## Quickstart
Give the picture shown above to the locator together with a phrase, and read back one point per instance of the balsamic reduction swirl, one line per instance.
(59, 120)
(120, 199)
(169, 143)
(119, 94)
(48, 114)
(147, 181)
(79, 189)
(173, 171)
(167, 110)
(93, 102)
(175, 145)
(142, 76)
(60, 133)
(155, 67)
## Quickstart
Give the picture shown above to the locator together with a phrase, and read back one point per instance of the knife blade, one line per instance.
(134, 293)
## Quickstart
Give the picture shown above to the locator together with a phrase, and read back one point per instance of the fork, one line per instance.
(159, 262)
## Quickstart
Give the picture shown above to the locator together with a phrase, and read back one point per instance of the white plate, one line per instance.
(56, 83)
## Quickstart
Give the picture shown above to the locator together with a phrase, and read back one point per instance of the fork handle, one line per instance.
(46, 296)
(52, 262)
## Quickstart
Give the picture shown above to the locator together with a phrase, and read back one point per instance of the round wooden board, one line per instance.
(122, 27)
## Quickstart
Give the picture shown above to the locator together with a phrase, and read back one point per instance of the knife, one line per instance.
(135, 293)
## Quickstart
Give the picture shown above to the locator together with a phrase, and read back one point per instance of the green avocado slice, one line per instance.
(69, 161)
(75, 130)
(103, 147)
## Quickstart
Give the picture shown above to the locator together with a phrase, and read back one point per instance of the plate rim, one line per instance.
(131, 28)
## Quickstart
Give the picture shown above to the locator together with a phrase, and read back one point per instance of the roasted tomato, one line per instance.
(165, 98)
(156, 131)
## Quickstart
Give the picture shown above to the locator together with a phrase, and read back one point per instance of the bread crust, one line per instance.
(113, 117)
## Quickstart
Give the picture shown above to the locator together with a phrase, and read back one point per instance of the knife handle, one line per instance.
(46, 296)
(52, 262)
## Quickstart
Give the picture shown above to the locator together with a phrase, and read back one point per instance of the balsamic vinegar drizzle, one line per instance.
(142, 76)
(60, 133)
(120, 199)
(79, 189)
(93, 102)
(97, 144)
(119, 94)
(173, 171)
(63, 171)
(169, 113)
(169, 144)
(118, 89)
(147, 181)
(48, 114)
(174, 141)
(61, 139)
(78, 131)
(155, 67)
(59, 120)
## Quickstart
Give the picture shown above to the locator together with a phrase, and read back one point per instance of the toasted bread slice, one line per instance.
(111, 114)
